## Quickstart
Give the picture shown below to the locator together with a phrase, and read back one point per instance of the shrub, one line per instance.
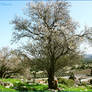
(84, 84)
(62, 81)
(63, 86)
(70, 83)
(66, 82)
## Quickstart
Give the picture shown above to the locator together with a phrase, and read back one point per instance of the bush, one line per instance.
(84, 84)
(63, 86)
(66, 81)
(62, 81)
(70, 83)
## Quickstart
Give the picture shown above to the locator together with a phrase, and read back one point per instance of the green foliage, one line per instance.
(70, 82)
(63, 86)
(84, 84)
(62, 80)
(22, 86)
(66, 82)
(3, 89)
(78, 89)
(39, 87)
(25, 86)
(75, 89)
(11, 80)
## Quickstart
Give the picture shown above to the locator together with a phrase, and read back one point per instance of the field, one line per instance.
(22, 86)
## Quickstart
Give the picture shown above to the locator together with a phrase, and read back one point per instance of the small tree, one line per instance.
(34, 68)
(8, 66)
(22, 62)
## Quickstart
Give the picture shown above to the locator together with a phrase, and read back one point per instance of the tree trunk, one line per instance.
(51, 82)
(34, 74)
(91, 72)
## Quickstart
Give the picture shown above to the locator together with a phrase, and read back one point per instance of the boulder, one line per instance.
(6, 84)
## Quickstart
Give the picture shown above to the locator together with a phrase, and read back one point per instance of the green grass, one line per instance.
(76, 89)
(3, 89)
(39, 87)
(19, 85)
(11, 80)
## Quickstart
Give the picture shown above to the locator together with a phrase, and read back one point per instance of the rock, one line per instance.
(30, 83)
(6, 84)
(76, 85)
(24, 86)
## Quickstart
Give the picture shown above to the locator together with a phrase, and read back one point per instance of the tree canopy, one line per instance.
(52, 31)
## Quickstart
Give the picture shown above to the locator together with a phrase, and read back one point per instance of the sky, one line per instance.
(80, 11)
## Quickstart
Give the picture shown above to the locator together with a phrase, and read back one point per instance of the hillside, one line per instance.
(88, 57)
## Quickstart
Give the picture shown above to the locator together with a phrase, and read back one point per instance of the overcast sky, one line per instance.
(80, 11)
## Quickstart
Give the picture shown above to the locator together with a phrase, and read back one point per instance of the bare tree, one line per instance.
(52, 32)
(22, 62)
(12, 63)
(8, 66)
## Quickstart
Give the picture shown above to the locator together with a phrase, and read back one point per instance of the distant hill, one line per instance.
(88, 57)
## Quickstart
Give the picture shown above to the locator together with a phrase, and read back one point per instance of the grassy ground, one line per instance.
(76, 89)
(20, 86)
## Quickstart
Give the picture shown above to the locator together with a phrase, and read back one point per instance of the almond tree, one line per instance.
(52, 32)
(9, 65)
